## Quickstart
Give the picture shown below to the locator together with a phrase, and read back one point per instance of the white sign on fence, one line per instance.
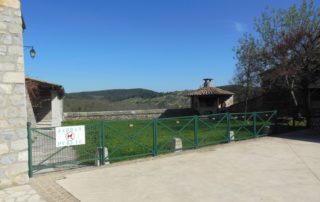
(70, 135)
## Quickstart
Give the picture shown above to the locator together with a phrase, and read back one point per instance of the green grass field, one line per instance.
(135, 138)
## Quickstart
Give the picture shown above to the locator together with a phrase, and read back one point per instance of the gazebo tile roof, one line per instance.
(209, 90)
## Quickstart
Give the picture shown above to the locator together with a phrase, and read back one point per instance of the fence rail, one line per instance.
(111, 141)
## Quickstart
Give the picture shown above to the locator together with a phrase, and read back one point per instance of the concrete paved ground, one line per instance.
(265, 169)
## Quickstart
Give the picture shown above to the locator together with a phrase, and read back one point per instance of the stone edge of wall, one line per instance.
(120, 114)
(127, 114)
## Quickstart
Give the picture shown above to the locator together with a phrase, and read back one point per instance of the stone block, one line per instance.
(2, 174)
(4, 124)
(20, 60)
(6, 18)
(12, 112)
(6, 66)
(106, 154)
(13, 77)
(20, 67)
(8, 58)
(3, 50)
(6, 88)
(19, 89)
(17, 100)
(17, 122)
(8, 159)
(10, 3)
(7, 135)
(2, 115)
(17, 13)
(231, 135)
(177, 144)
(17, 20)
(4, 148)
(8, 12)
(3, 101)
(23, 156)
(16, 169)
(21, 132)
(19, 145)
(16, 40)
(3, 26)
(5, 182)
(5, 38)
(15, 50)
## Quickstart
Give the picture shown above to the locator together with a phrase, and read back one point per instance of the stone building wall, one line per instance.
(57, 109)
(13, 115)
(229, 101)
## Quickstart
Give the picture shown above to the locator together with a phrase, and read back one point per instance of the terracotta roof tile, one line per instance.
(209, 90)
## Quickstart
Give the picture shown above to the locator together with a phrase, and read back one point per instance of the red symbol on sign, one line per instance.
(70, 136)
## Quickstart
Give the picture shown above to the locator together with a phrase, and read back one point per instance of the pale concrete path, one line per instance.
(265, 169)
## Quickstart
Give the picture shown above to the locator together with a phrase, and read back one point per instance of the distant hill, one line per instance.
(116, 95)
(124, 99)
(130, 99)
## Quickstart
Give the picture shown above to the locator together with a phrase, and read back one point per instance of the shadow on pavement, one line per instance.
(302, 135)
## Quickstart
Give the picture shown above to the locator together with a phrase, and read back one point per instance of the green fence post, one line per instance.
(30, 172)
(102, 145)
(228, 126)
(155, 136)
(255, 124)
(196, 130)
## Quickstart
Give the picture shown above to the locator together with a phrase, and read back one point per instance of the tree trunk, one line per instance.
(294, 98)
(291, 87)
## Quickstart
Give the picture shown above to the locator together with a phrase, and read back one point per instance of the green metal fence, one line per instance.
(111, 141)
(213, 129)
(45, 156)
(170, 128)
(127, 139)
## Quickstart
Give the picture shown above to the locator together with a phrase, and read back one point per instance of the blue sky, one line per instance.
(163, 45)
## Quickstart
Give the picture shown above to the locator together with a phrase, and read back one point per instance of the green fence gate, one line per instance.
(45, 156)
(111, 141)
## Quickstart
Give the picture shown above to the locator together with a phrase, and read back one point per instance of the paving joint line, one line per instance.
(301, 159)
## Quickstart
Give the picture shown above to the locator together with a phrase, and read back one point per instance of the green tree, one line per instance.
(248, 67)
(289, 44)
(290, 40)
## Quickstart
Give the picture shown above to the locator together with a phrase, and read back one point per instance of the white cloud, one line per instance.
(239, 27)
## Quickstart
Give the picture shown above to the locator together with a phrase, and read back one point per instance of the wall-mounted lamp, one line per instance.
(32, 51)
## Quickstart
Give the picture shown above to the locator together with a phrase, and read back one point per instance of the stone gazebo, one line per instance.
(209, 99)
(44, 103)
